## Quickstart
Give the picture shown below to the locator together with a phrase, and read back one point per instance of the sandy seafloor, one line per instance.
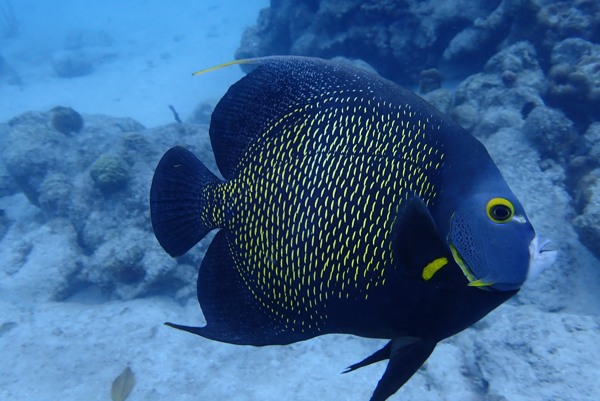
(73, 350)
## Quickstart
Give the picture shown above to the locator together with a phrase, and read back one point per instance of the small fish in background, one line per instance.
(122, 385)
(349, 205)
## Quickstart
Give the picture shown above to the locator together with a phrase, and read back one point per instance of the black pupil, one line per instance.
(501, 212)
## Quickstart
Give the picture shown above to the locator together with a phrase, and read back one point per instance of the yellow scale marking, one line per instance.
(314, 222)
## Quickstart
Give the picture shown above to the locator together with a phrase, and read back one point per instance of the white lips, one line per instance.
(539, 257)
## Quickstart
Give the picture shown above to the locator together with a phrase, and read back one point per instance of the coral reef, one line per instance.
(587, 191)
(7, 184)
(400, 39)
(110, 173)
(587, 224)
(484, 103)
(558, 20)
(54, 194)
(42, 261)
(518, 342)
(201, 113)
(429, 80)
(592, 142)
(574, 79)
(65, 120)
(552, 133)
(512, 94)
(28, 158)
(89, 192)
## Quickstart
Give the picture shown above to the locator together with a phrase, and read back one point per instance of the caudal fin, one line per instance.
(178, 203)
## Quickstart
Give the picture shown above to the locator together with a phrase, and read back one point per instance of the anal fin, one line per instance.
(405, 359)
(406, 355)
(378, 356)
(233, 314)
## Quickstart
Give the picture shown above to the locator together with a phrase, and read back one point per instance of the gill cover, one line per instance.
(489, 238)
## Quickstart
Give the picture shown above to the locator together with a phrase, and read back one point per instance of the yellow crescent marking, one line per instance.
(433, 267)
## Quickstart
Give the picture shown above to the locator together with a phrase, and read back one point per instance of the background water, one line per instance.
(85, 288)
(142, 54)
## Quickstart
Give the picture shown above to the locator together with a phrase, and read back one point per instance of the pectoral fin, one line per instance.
(417, 242)
(406, 355)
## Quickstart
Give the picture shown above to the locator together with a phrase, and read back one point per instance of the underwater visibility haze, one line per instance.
(404, 191)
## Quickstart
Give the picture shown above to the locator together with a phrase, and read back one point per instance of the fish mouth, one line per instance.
(474, 281)
(540, 256)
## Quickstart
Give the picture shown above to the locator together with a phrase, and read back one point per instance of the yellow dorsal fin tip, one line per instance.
(223, 65)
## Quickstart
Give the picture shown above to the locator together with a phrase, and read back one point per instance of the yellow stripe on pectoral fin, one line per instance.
(433, 267)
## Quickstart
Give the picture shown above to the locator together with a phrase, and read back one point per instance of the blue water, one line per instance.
(142, 54)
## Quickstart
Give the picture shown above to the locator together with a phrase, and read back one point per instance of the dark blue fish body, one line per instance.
(349, 205)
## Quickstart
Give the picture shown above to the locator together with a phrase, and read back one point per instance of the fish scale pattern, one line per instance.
(312, 209)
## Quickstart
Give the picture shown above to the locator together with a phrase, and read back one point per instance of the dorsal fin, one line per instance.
(276, 86)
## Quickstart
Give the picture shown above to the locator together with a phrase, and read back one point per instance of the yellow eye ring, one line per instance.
(500, 210)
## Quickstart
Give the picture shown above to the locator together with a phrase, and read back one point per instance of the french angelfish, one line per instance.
(348, 205)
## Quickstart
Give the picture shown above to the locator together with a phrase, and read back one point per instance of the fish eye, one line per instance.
(500, 210)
